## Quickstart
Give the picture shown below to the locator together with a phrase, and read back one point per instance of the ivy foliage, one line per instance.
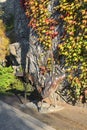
(73, 15)
(41, 21)
(74, 47)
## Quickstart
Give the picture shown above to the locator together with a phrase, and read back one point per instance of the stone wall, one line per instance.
(8, 6)
(26, 45)
(20, 46)
(21, 33)
(21, 22)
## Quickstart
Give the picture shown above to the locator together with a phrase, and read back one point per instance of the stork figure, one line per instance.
(48, 92)
(47, 86)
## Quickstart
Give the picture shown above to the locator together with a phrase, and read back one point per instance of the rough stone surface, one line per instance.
(19, 52)
(8, 6)
(25, 36)
(45, 108)
(26, 52)
(13, 11)
(21, 22)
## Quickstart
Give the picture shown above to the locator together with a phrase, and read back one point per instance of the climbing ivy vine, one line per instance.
(41, 21)
(73, 13)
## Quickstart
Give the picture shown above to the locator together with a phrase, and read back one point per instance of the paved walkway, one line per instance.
(13, 119)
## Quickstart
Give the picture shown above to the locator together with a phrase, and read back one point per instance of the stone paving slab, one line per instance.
(46, 108)
(13, 119)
